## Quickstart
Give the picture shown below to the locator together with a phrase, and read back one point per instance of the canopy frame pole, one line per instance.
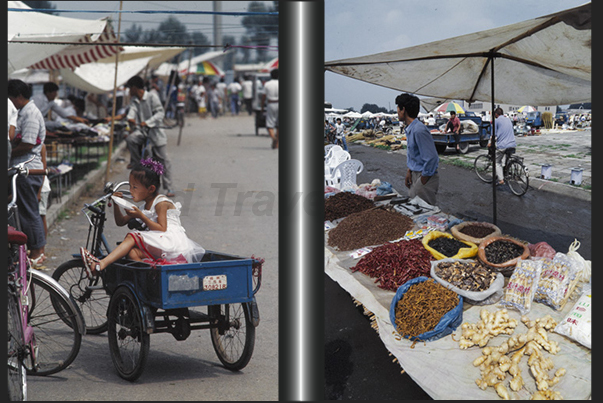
(493, 142)
(114, 99)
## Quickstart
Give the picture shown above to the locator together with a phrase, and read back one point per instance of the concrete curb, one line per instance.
(76, 190)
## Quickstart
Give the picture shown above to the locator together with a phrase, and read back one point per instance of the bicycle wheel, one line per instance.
(483, 167)
(89, 294)
(128, 342)
(234, 337)
(17, 379)
(55, 327)
(517, 178)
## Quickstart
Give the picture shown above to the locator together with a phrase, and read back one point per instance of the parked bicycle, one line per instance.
(515, 174)
(45, 326)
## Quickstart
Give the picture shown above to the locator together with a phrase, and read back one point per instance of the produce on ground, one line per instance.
(558, 280)
(470, 276)
(369, 227)
(345, 203)
(501, 251)
(393, 264)
(447, 246)
(422, 307)
(489, 325)
(477, 231)
(496, 362)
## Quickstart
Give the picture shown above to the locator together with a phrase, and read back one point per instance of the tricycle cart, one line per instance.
(133, 299)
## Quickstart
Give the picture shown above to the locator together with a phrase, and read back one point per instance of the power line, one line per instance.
(156, 45)
(231, 13)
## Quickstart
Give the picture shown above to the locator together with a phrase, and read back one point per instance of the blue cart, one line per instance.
(132, 300)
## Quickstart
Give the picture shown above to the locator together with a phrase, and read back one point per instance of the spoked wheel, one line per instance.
(517, 178)
(483, 167)
(234, 337)
(55, 325)
(17, 379)
(128, 342)
(87, 292)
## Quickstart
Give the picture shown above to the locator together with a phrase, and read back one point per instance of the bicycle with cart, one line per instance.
(132, 299)
(45, 326)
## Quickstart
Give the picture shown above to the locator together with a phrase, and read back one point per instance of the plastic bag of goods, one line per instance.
(520, 290)
(436, 310)
(466, 250)
(472, 280)
(542, 249)
(557, 281)
(577, 324)
(582, 265)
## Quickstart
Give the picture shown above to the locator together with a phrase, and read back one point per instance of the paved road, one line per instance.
(226, 179)
(357, 365)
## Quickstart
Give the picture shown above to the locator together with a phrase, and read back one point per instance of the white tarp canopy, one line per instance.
(40, 27)
(542, 61)
(99, 77)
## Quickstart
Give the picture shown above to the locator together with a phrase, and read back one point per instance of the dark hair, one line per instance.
(146, 175)
(135, 81)
(452, 113)
(18, 87)
(274, 74)
(410, 102)
(50, 87)
(498, 111)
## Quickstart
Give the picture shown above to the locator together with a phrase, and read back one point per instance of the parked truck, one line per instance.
(444, 140)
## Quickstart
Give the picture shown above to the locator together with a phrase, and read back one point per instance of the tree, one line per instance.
(173, 31)
(261, 28)
(133, 34)
(373, 108)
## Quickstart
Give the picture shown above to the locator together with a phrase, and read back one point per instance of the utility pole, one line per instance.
(217, 5)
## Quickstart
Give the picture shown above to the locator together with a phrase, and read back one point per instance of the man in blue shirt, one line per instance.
(422, 178)
(505, 139)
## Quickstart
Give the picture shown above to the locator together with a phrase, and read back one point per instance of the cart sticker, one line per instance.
(182, 283)
(211, 283)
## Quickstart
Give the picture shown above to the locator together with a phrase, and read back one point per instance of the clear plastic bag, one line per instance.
(557, 281)
(520, 290)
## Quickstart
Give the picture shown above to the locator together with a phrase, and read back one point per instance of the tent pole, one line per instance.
(493, 144)
(114, 99)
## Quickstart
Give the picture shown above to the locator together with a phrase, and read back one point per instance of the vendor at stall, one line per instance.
(46, 103)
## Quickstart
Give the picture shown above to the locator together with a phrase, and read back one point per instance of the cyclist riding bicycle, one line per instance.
(505, 141)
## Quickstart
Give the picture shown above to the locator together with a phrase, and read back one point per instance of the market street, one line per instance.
(226, 179)
(356, 361)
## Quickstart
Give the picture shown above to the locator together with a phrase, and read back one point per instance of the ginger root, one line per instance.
(489, 325)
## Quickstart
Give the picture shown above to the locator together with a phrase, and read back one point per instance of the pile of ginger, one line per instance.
(496, 362)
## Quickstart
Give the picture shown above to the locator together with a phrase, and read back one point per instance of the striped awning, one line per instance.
(76, 55)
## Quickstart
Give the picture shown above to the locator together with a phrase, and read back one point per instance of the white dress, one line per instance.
(173, 244)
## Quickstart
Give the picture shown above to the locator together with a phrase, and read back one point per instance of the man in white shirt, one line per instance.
(12, 125)
(248, 93)
(270, 102)
(234, 88)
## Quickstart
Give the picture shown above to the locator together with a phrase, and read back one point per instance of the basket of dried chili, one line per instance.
(425, 310)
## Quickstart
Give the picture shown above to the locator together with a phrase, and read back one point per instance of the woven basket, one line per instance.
(506, 268)
(456, 231)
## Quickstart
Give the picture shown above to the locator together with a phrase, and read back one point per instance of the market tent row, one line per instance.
(31, 37)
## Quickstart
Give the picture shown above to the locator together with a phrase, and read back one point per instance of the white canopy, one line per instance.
(543, 61)
(40, 27)
(98, 77)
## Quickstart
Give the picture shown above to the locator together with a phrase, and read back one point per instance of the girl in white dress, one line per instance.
(165, 241)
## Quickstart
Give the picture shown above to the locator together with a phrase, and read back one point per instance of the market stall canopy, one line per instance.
(271, 65)
(29, 26)
(98, 78)
(542, 61)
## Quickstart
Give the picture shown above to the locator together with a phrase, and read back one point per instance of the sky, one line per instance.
(231, 25)
(358, 28)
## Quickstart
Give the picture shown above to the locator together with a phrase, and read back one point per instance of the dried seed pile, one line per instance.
(469, 276)
(343, 204)
(393, 264)
(422, 306)
(447, 246)
(477, 231)
(369, 227)
(501, 251)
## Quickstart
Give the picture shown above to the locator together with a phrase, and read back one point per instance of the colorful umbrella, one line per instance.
(449, 107)
(526, 109)
(272, 64)
(207, 68)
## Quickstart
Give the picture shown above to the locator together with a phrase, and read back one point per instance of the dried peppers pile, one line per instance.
(393, 264)
(422, 306)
